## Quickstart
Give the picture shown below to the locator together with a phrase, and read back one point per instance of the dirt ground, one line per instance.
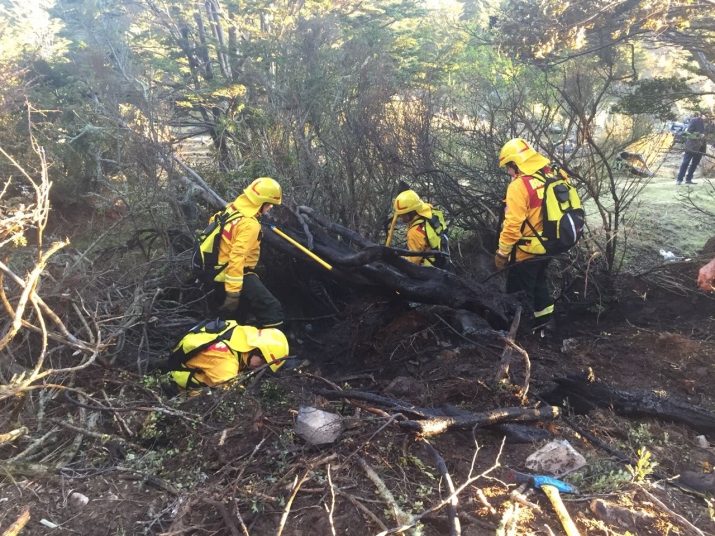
(228, 459)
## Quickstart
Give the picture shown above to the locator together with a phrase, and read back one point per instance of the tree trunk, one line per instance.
(586, 393)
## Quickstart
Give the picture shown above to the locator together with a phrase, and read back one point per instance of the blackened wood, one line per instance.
(634, 403)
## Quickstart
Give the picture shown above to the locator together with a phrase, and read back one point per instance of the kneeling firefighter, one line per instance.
(214, 352)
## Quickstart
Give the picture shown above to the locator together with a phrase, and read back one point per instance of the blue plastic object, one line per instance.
(541, 480)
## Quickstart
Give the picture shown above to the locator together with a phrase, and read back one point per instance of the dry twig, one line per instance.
(455, 528)
(503, 371)
(470, 480)
(680, 519)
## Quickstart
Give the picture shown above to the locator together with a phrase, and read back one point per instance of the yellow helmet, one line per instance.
(408, 201)
(271, 342)
(264, 190)
(523, 155)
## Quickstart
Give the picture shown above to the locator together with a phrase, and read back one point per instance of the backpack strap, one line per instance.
(540, 176)
(178, 358)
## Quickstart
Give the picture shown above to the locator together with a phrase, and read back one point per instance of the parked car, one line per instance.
(678, 129)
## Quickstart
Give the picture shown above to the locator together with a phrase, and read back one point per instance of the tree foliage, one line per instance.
(655, 97)
(556, 29)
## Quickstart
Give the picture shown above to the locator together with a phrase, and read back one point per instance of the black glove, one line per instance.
(230, 304)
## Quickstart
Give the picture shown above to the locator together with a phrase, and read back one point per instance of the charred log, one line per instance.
(433, 421)
(439, 425)
(360, 262)
(585, 392)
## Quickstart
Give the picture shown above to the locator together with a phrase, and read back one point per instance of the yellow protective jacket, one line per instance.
(524, 198)
(217, 364)
(417, 240)
(240, 245)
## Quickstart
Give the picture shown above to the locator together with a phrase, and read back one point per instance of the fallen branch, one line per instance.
(400, 515)
(585, 392)
(455, 528)
(470, 480)
(519, 495)
(503, 371)
(331, 510)
(296, 488)
(13, 435)
(224, 514)
(19, 524)
(680, 519)
(96, 435)
(485, 502)
(242, 525)
(527, 364)
(438, 425)
(289, 502)
(360, 506)
(398, 405)
(509, 520)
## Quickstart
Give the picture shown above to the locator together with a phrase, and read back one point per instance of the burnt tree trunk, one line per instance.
(585, 392)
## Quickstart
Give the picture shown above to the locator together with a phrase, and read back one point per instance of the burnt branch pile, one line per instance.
(358, 262)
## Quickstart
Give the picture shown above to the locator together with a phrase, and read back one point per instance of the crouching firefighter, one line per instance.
(214, 352)
(426, 229)
(228, 250)
(543, 217)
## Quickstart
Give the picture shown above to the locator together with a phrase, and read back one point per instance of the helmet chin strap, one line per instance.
(392, 229)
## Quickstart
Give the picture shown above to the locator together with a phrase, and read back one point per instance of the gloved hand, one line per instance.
(500, 260)
(230, 304)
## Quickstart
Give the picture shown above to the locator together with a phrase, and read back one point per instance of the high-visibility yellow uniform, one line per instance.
(417, 239)
(224, 359)
(216, 364)
(524, 198)
(240, 245)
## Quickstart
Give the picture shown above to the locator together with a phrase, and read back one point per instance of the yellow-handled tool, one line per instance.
(301, 247)
(392, 229)
(552, 492)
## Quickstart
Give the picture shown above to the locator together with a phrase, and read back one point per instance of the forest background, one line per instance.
(113, 113)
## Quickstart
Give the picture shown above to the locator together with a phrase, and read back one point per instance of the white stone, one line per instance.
(556, 458)
(77, 500)
(702, 442)
(318, 427)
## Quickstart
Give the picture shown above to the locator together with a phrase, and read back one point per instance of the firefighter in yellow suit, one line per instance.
(247, 348)
(414, 213)
(517, 246)
(240, 248)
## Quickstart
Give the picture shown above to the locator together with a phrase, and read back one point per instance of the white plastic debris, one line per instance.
(702, 442)
(556, 458)
(48, 524)
(77, 500)
(668, 255)
(318, 427)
